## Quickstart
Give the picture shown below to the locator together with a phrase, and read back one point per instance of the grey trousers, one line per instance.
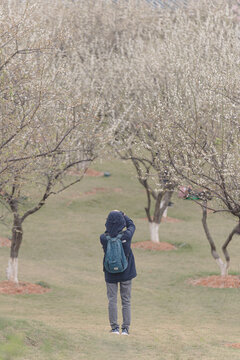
(125, 292)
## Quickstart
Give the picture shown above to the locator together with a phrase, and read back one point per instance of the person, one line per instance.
(116, 222)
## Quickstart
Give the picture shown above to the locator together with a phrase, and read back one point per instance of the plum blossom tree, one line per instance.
(80, 136)
(153, 173)
(52, 117)
(140, 138)
(206, 119)
(144, 87)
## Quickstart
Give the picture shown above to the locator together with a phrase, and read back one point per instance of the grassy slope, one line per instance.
(171, 319)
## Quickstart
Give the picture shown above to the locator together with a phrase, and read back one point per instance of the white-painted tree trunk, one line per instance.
(12, 270)
(223, 267)
(165, 211)
(154, 235)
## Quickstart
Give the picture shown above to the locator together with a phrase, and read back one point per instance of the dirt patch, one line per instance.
(235, 345)
(94, 191)
(91, 172)
(149, 245)
(8, 287)
(220, 282)
(4, 242)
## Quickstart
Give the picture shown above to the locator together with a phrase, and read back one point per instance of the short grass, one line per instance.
(170, 319)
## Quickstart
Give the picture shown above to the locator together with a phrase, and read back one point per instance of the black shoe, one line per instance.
(125, 332)
(115, 331)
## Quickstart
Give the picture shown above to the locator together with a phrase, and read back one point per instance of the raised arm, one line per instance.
(128, 234)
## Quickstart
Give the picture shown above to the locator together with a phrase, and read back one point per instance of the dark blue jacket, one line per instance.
(115, 223)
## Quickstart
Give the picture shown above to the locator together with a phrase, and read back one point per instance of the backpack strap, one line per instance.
(119, 236)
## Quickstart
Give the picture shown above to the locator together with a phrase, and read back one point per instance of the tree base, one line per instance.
(10, 288)
(5, 242)
(217, 281)
(234, 345)
(12, 270)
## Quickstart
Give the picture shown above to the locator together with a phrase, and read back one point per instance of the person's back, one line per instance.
(115, 224)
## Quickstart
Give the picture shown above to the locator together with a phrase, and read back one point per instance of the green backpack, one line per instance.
(115, 259)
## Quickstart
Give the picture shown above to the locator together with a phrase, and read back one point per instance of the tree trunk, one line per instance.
(236, 230)
(161, 206)
(223, 266)
(17, 234)
(154, 234)
(165, 211)
(160, 210)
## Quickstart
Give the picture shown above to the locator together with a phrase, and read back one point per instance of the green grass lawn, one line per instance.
(170, 318)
